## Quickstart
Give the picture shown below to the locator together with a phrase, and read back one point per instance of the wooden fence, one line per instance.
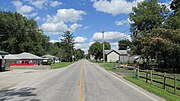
(163, 76)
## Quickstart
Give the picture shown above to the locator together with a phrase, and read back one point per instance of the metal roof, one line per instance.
(25, 55)
(21, 56)
(49, 56)
(3, 53)
(118, 51)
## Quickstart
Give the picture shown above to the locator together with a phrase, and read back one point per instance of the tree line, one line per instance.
(156, 32)
(19, 34)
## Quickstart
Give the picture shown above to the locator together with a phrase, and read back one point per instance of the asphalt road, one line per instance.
(82, 81)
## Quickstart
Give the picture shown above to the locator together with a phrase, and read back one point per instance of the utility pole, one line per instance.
(103, 47)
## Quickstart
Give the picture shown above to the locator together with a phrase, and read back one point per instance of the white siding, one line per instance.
(124, 58)
(112, 57)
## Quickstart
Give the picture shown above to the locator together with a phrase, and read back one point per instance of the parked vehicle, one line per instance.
(24, 63)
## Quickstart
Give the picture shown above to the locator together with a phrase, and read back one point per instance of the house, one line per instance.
(53, 59)
(16, 58)
(116, 55)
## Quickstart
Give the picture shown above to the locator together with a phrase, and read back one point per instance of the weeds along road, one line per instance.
(81, 81)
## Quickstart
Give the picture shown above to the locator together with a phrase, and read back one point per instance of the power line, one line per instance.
(113, 18)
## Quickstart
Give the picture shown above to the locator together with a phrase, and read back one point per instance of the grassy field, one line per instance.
(168, 81)
(61, 64)
(154, 89)
(107, 66)
(112, 67)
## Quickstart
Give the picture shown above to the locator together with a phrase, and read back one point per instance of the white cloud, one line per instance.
(82, 46)
(55, 27)
(53, 41)
(33, 14)
(85, 27)
(80, 39)
(59, 22)
(23, 9)
(74, 27)
(37, 18)
(122, 22)
(110, 36)
(55, 3)
(66, 15)
(38, 3)
(114, 7)
(18, 4)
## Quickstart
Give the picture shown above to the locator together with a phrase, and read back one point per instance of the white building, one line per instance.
(116, 55)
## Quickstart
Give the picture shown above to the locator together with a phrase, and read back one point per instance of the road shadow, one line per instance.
(23, 94)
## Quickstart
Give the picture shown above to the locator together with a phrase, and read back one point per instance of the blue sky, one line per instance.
(85, 18)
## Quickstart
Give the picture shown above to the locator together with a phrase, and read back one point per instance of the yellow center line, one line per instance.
(82, 85)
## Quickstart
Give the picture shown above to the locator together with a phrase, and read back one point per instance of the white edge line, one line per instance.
(126, 83)
(51, 75)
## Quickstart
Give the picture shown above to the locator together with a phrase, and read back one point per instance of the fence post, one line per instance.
(151, 76)
(138, 72)
(164, 83)
(174, 84)
(146, 75)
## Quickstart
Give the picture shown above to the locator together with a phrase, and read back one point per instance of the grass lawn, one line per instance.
(160, 79)
(154, 88)
(151, 88)
(61, 64)
(107, 66)
(112, 67)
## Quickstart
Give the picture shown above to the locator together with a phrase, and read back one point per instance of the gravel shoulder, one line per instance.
(18, 78)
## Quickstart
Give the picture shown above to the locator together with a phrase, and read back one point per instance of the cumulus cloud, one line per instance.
(121, 22)
(110, 36)
(38, 3)
(54, 41)
(74, 27)
(23, 9)
(66, 15)
(55, 3)
(37, 18)
(114, 7)
(58, 22)
(82, 46)
(80, 39)
(33, 14)
(55, 27)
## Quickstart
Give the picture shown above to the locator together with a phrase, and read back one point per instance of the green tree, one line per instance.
(54, 49)
(124, 44)
(19, 34)
(96, 49)
(160, 41)
(79, 54)
(67, 42)
(107, 46)
(146, 17)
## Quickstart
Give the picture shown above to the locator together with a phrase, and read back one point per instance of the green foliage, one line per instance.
(96, 49)
(156, 36)
(79, 54)
(67, 42)
(124, 44)
(146, 16)
(61, 64)
(19, 34)
(151, 88)
(107, 46)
